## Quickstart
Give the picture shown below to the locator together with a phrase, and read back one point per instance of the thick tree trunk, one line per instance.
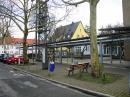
(96, 67)
(25, 45)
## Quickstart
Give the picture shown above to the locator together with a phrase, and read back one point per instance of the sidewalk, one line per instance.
(106, 61)
(117, 89)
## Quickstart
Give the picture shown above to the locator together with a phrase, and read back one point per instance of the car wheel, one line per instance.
(15, 62)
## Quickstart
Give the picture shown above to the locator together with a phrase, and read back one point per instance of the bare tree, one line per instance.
(4, 29)
(96, 66)
(5, 24)
(20, 14)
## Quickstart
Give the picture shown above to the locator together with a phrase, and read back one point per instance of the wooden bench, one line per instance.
(86, 66)
(70, 71)
(81, 67)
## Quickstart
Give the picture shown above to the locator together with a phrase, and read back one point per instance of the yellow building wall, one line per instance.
(80, 32)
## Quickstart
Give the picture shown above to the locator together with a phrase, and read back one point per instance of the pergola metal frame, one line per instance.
(121, 34)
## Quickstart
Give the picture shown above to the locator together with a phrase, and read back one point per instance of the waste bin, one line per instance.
(52, 66)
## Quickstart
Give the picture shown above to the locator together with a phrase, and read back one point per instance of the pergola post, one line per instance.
(32, 54)
(72, 54)
(101, 53)
(129, 82)
(61, 55)
(120, 51)
(111, 53)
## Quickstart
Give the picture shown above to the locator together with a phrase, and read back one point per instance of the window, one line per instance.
(88, 48)
(68, 36)
(7, 46)
(78, 49)
(77, 36)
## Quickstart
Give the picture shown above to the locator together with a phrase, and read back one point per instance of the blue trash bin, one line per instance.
(52, 67)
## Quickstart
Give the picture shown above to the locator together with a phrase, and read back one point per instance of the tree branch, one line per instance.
(18, 25)
(17, 5)
(75, 3)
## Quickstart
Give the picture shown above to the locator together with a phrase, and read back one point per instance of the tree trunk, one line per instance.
(4, 44)
(25, 45)
(96, 67)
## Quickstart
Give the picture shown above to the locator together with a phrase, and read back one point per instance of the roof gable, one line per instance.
(12, 40)
(65, 32)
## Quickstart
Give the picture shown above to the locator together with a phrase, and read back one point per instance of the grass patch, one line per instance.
(105, 79)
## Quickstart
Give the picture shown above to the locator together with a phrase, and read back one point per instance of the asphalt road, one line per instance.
(14, 83)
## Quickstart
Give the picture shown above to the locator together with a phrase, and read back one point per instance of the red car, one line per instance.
(10, 60)
(16, 59)
(22, 59)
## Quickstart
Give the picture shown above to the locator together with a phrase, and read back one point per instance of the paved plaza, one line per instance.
(118, 88)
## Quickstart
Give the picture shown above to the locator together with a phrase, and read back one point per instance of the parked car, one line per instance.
(4, 57)
(22, 59)
(0, 57)
(16, 59)
(11, 60)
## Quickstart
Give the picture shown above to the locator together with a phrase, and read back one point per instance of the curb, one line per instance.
(83, 90)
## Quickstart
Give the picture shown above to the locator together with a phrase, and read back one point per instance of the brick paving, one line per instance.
(118, 88)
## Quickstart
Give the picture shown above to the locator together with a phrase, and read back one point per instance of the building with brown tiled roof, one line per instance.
(12, 45)
(20, 40)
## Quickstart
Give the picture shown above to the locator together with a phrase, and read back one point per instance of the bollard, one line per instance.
(18, 60)
(52, 66)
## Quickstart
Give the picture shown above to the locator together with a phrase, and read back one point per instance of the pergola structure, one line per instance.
(118, 35)
(122, 37)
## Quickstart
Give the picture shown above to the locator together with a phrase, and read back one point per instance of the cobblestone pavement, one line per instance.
(117, 89)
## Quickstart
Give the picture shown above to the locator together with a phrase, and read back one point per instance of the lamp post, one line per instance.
(19, 52)
(36, 21)
(32, 53)
(19, 49)
(36, 37)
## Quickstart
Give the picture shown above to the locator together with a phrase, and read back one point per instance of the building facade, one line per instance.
(75, 30)
(13, 46)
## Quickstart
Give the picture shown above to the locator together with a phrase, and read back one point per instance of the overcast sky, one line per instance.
(108, 12)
